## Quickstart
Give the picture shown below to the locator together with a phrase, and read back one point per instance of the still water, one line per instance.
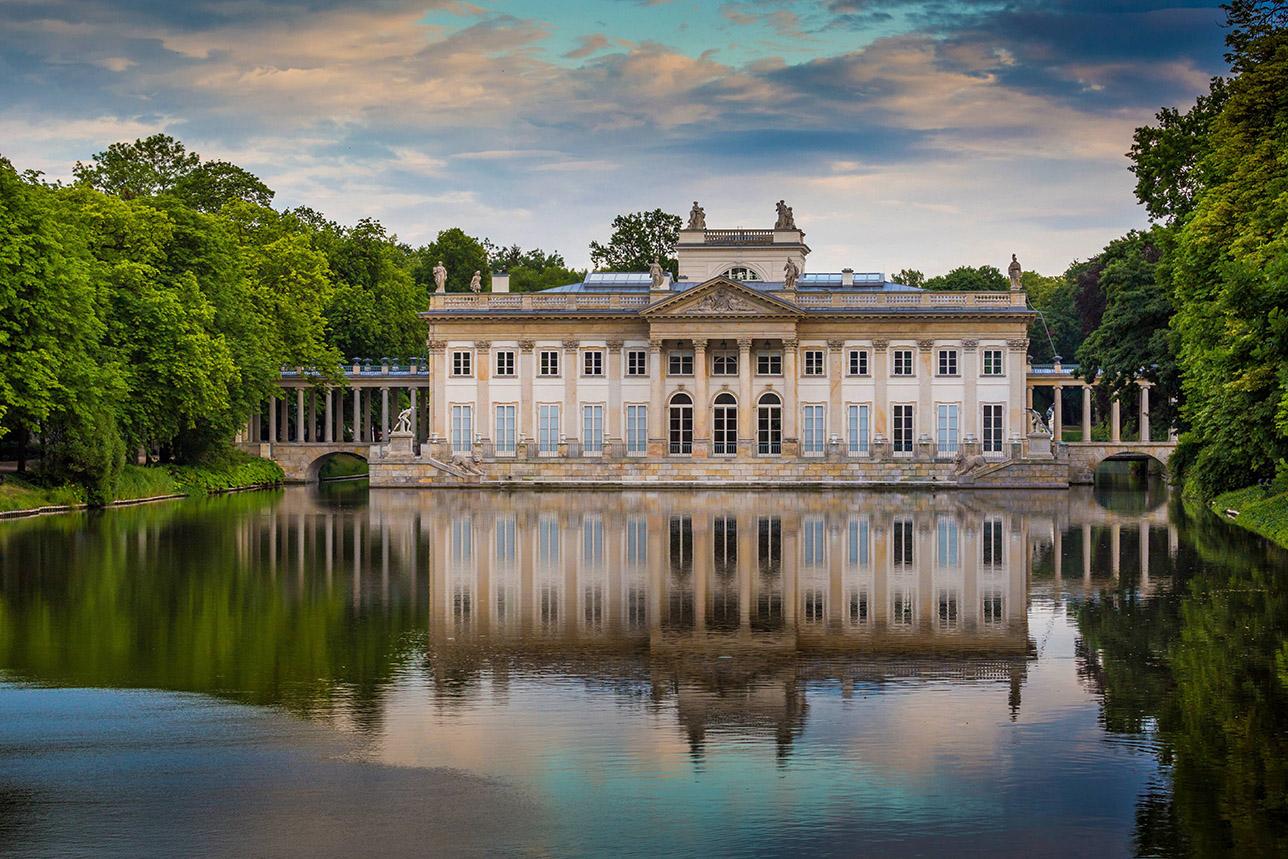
(1098, 672)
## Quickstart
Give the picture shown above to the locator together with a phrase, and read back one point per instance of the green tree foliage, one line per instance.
(639, 238)
(461, 254)
(1133, 339)
(531, 271)
(909, 277)
(1053, 298)
(372, 308)
(967, 279)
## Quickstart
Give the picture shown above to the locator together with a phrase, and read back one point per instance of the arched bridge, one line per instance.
(1085, 457)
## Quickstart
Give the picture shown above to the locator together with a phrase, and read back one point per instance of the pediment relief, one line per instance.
(722, 298)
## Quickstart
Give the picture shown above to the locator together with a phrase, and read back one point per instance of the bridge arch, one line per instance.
(313, 474)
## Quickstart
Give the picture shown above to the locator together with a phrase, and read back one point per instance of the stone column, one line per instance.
(329, 410)
(835, 400)
(415, 414)
(356, 432)
(924, 423)
(1115, 417)
(1115, 548)
(1057, 551)
(272, 419)
(701, 407)
(312, 434)
(970, 418)
(570, 425)
(1017, 373)
(484, 420)
(1144, 554)
(1086, 554)
(613, 420)
(384, 413)
(657, 400)
(1144, 408)
(791, 444)
(1057, 415)
(299, 415)
(881, 386)
(746, 408)
(438, 395)
(1086, 413)
(526, 406)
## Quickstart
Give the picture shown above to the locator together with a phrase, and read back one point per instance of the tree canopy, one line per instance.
(969, 279)
(639, 238)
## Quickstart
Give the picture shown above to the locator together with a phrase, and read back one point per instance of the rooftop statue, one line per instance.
(786, 220)
(791, 272)
(655, 273)
(476, 282)
(1014, 271)
(697, 217)
(440, 277)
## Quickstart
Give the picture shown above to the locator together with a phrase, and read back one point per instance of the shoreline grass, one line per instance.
(1261, 511)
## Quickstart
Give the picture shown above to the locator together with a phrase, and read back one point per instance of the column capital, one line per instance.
(836, 344)
(438, 346)
(925, 345)
(483, 344)
(970, 345)
(655, 345)
(880, 345)
(571, 345)
(615, 345)
(1018, 345)
(744, 344)
(527, 345)
(791, 344)
(699, 344)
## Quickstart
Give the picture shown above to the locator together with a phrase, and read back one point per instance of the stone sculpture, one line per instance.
(697, 217)
(655, 273)
(791, 272)
(476, 282)
(966, 465)
(786, 220)
(1037, 425)
(1014, 271)
(468, 463)
(404, 422)
(440, 278)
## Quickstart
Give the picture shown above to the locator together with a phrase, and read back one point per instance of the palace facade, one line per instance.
(732, 370)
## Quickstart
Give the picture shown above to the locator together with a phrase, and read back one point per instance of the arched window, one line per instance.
(741, 273)
(769, 425)
(681, 424)
(725, 425)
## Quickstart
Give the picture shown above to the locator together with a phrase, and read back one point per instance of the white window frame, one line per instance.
(910, 355)
(592, 363)
(462, 363)
(592, 429)
(548, 429)
(636, 429)
(505, 440)
(947, 363)
(505, 364)
(462, 427)
(813, 429)
(814, 363)
(948, 428)
(724, 364)
(1000, 354)
(859, 363)
(548, 363)
(679, 358)
(895, 428)
(858, 425)
(636, 362)
(765, 363)
(993, 446)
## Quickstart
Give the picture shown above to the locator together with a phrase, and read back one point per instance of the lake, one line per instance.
(1096, 672)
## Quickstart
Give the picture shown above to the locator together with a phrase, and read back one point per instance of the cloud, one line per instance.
(591, 44)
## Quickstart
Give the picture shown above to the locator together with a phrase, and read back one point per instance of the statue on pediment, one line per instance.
(697, 217)
(440, 278)
(1015, 271)
(655, 274)
(791, 272)
(476, 282)
(786, 220)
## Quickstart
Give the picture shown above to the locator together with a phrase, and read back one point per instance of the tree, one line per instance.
(1053, 298)
(1168, 158)
(967, 279)
(531, 271)
(371, 312)
(210, 186)
(638, 239)
(909, 277)
(460, 254)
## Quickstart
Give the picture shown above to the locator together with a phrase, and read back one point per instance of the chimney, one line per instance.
(847, 277)
(500, 282)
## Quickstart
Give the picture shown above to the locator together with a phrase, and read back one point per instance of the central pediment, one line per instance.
(721, 297)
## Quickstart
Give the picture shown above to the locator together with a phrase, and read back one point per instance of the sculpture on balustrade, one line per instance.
(403, 426)
(697, 217)
(791, 272)
(1038, 426)
(476, 282)
(1015, 271)
(655, 273)
(440, 278)
(968, 464)
(786, 220)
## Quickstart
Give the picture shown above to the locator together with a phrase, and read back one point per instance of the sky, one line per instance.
(904, 133)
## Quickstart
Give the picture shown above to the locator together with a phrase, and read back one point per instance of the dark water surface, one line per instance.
(399, 672)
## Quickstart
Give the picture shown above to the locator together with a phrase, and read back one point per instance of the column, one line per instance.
(272, 419)
(613, 420)
(415, 414)
(1115, 549)
(1115, 418)
(970, 391)
(329, 432)
(364, 431)
(924, 424)
(526, 408)
(483, 417)
(835, 399)
(1057, 415)
(790, 439)
(746, 408)
(880, 381)
(438, 387)
(570, 423)
(701, 407)
(384, 413)
(1086, 413)
(1144, 554)
(299, 414)
(657, 398)
(1057, 551)
(1144, 409)
(313, 416)
(1086, 554)
(1017, 372)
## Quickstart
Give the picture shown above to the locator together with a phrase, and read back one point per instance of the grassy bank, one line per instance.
(1260, 511)
(231, 470)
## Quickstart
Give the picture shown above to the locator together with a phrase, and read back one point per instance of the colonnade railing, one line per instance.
(1059, 376)
(362, 408)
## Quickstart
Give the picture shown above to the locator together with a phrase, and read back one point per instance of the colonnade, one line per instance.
(363, 410)
(1059, 378)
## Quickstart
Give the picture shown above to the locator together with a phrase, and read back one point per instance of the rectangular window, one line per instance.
(769, 364)
(462, 363)
(859, 542)
(859, 419)
(947, 416)
(815, 362)
(993, 363)
(462, 429)
(991, 545)
(505, 363)
(592, 363)
(903, 362)
(814, 541)
(592, 430)
(902, 536)
(637, 363)
(680, 364)
(637, 429)
(548, 429)
(858, 362)
(549, 363)
(812, 438)
(724, 364)
(505, 440)
(901, 429)
(948, 362)
(993, 428)
(947, 544)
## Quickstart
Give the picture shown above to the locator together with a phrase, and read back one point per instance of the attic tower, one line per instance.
(740, 254)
